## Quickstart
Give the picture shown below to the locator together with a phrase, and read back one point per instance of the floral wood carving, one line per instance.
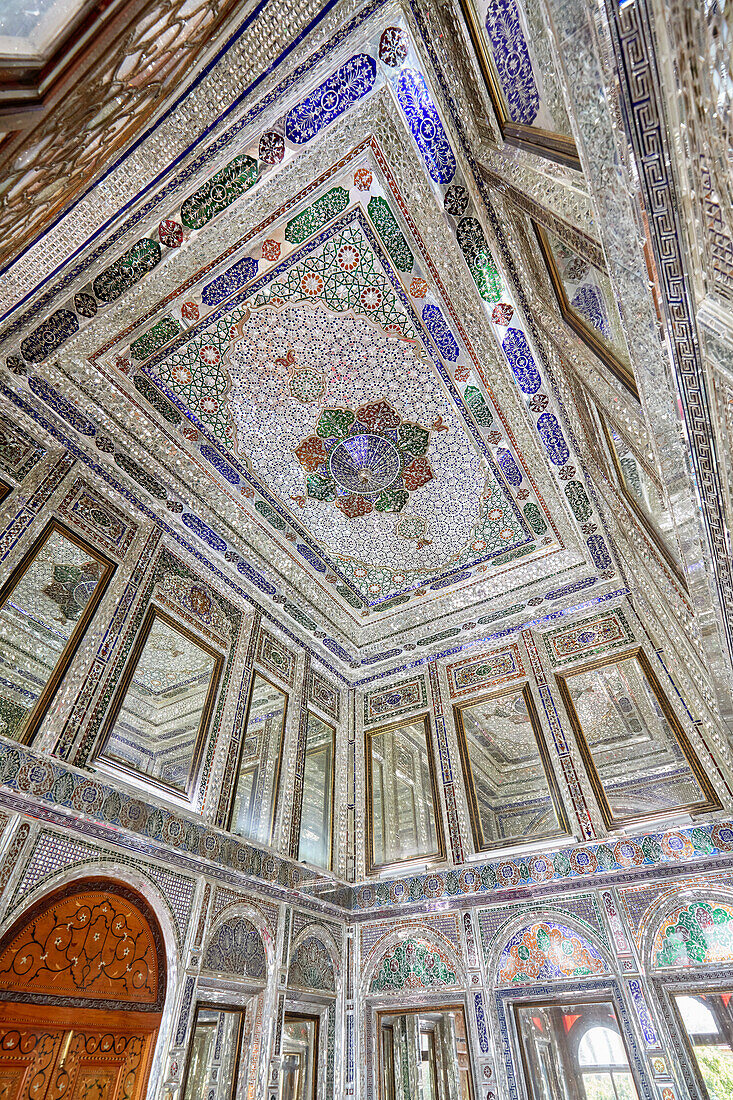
(96, 942)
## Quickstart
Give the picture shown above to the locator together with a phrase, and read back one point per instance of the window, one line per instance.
(588, 304)
(639, 760)
(45, 606)
(707, 1023)
(512, 794)
(433, 1039)
(513, 55)
(574, 1052)
(402, 808)
(643, 491)
(317, 806)
(255, 795)
(299, 1048)
(158, 724)
(213, 1056)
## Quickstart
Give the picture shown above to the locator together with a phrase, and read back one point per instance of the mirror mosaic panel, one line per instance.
(255, 795)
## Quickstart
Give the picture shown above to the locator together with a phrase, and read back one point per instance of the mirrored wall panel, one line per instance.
(213, 1059)
(574, 1052)
(45, 606)
(299, 1047)
(160, 720)
(402, 812)
(429, 1046)
(317, 809)
(643, 491)
(253, 810)
(707, 1023)
(514, 55)
(588, 304)
(639, 760)
(511, 789)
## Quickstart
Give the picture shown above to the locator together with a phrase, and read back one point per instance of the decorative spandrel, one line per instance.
(639, 758)
(512, 793)
(44, 608)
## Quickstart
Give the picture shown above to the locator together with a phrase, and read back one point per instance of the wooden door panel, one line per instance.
(27, 1058)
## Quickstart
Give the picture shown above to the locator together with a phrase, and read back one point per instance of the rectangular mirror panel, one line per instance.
(253, 811)
(638, 757)
(160, 723)
(707, 1021)
(429, 1046)
(45, 606)
(213, 1061)
(574, 1052)
(317, 808)
(299, 1072)
(512, 794)
(402, 802)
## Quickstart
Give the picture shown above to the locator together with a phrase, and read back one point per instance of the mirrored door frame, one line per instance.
(377, 1009)
(434, 857)
(314, 1016)
(43, 702)
(216, 1006)
(480, 844)
(156, 613)
(668, 985)
(688, 752)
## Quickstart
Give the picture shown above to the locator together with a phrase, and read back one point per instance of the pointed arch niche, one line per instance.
(82, 987)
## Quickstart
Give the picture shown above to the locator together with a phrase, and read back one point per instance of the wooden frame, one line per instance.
(711, 802)
(437, 855)
(5, 489)
(155, 613)
(276, 788)
(213, 1006)
(40, 708)
(620, 370)
(333, 785)
(424, 1010)
(561, 1001)
(314, 1019)
(480, 844)
(543, 143)
(636, 508)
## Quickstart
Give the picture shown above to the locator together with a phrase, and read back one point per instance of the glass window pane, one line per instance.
(161, 723)
(511, 797)
(29, 27)
(299, 1072)
(254, 798)
(634, 750)
(566, 1046)
(589, 294)
(403, 812)
(43, 614)
(641, 488)
(214, 1054)
(315, 819)
(707, 1019)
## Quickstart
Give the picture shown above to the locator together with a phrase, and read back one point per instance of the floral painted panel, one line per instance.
(694, 934)
(411, 965)
(547, 951)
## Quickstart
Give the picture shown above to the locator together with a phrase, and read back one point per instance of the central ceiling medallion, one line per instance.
(365, 460)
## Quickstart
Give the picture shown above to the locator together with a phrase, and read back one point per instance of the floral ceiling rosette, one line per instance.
(365, 460)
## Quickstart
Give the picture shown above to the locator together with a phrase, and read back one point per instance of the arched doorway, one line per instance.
(82, 985)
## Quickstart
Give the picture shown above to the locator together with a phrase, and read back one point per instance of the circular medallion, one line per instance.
(365, 463)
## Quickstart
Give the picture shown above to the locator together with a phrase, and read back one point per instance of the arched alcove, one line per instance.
(82, 987)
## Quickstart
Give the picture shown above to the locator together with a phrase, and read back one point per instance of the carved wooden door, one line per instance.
(49, 1053)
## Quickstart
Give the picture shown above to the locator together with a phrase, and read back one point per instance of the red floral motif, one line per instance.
(208, 405)
(272, 147)
(362, 179)
(311, 453)
(354, 505)
(495, 514)
(502, 314)
(393, 47)
(418, 288)
(190, 311)
(417, 473)
(347, 257)
(209, 355)
(311, 283)
(271, 249)
(507, 534)
(494, 438)
(181, 375)
(378, 416)
(189, 432)
(461, 374)
(170, 233)
(122, 364)
(371, 298)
